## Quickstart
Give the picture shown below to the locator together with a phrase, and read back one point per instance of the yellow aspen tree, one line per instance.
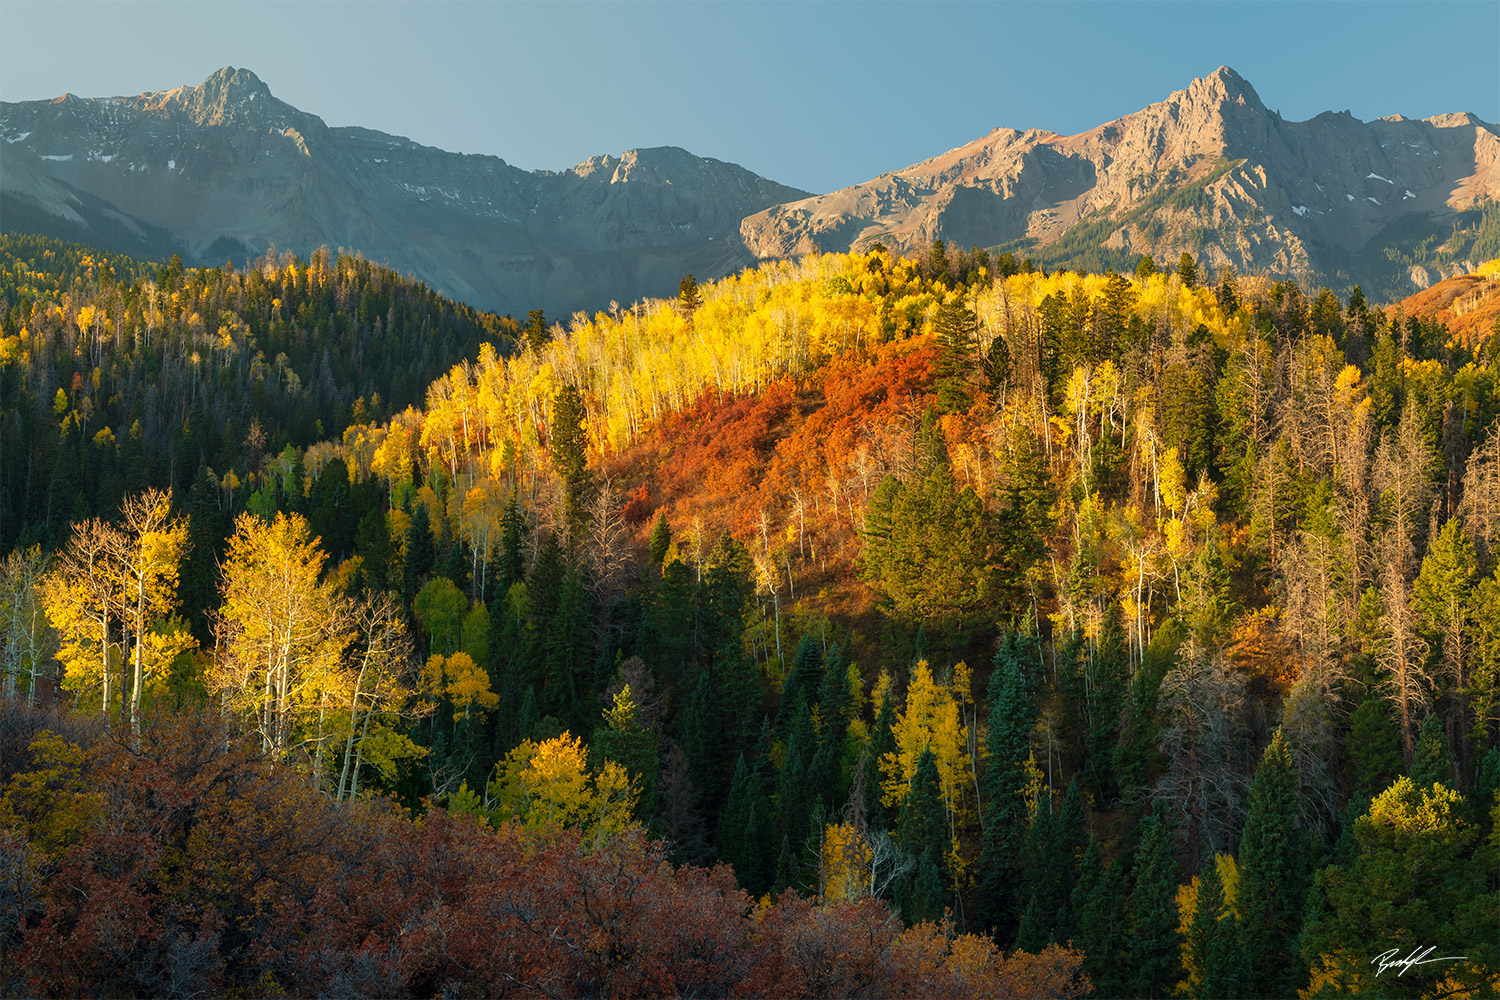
(82, 600)
(280, 631)
(930, 719)
(150, 552)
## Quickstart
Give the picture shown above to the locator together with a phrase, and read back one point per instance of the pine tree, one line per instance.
(1221, 973)
(661, 539)
(1373, 748)
(689, 298)
(569, 448)
(1154, 947)
(701, 739)
(802, 683)
(922, 829)
(742, 830)
(1104, 922)
(956, 329)
(1269, 891)
(1007, 749)
(1211, 938)
(1187, 270)
(1431, 764)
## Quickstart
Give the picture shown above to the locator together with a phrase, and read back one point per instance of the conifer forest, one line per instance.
(855, 625)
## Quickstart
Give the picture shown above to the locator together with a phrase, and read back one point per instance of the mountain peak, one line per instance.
(229, 96)
(235, 83)
(1226, 86)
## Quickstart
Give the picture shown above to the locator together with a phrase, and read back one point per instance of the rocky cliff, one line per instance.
(1209, 170)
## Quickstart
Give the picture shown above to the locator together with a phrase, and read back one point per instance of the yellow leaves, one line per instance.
(1036, 784)
(846, 863)
(931, 719)
(462, 680)
(550, 784)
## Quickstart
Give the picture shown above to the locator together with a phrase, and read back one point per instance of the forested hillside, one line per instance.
(1151, 617)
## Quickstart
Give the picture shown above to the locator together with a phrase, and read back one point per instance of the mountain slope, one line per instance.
(226, 169)
(1209, 170)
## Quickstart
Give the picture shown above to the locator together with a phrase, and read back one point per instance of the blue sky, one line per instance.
(816, 95)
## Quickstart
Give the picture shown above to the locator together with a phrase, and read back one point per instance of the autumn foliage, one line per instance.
(197, 863)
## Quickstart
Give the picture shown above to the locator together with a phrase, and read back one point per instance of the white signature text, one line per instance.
(1388, 960)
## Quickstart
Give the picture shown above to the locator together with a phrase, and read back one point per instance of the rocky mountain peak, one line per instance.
(229, 96)
(1226, 86)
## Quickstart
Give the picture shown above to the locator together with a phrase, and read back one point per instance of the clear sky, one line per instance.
(816, 95)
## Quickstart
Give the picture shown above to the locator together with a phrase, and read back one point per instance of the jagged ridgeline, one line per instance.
(115, 374)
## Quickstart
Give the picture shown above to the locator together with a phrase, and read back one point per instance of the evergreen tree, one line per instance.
(956, 329)
(1187, 270)
(569, 448)
(1431, 763)
(1104, 923)
(1373, 748)
(1269, 891)
(922, 830)
(882, 743)
(661, 539)
(1007, 750)
(802, 683)
(1211, 938)
(689, 298)
(1154, 947)
(510, 568)
(420, 553)
(702, 738)
(742, 829)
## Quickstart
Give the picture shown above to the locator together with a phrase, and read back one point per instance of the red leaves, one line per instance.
(214, 870)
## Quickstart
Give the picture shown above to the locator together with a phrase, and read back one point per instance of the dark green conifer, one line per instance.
(1005, 819)
(1430, 760)
(661, 539)
(1269, 893)
(1154, 953)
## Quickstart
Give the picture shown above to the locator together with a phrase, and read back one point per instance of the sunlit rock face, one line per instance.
(1210, 170)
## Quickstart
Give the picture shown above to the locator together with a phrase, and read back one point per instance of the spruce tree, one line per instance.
(1269, 891)
(661, 539)
(1104, 922)
(922, 830)
(1154, 946)
(1431, 763)
(1372, 749)
(882, 742)
(1007, 749)
(1187, 270)
(741, 829)
(1219, 964)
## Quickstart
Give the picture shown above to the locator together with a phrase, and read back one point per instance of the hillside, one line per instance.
(1210, 171)
(1011, 609)
(225, 170)
(1468, 305)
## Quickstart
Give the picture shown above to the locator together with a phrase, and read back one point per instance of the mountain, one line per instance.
(225, 170)
(1209, 170)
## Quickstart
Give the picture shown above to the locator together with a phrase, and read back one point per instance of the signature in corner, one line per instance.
(1388, 960)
